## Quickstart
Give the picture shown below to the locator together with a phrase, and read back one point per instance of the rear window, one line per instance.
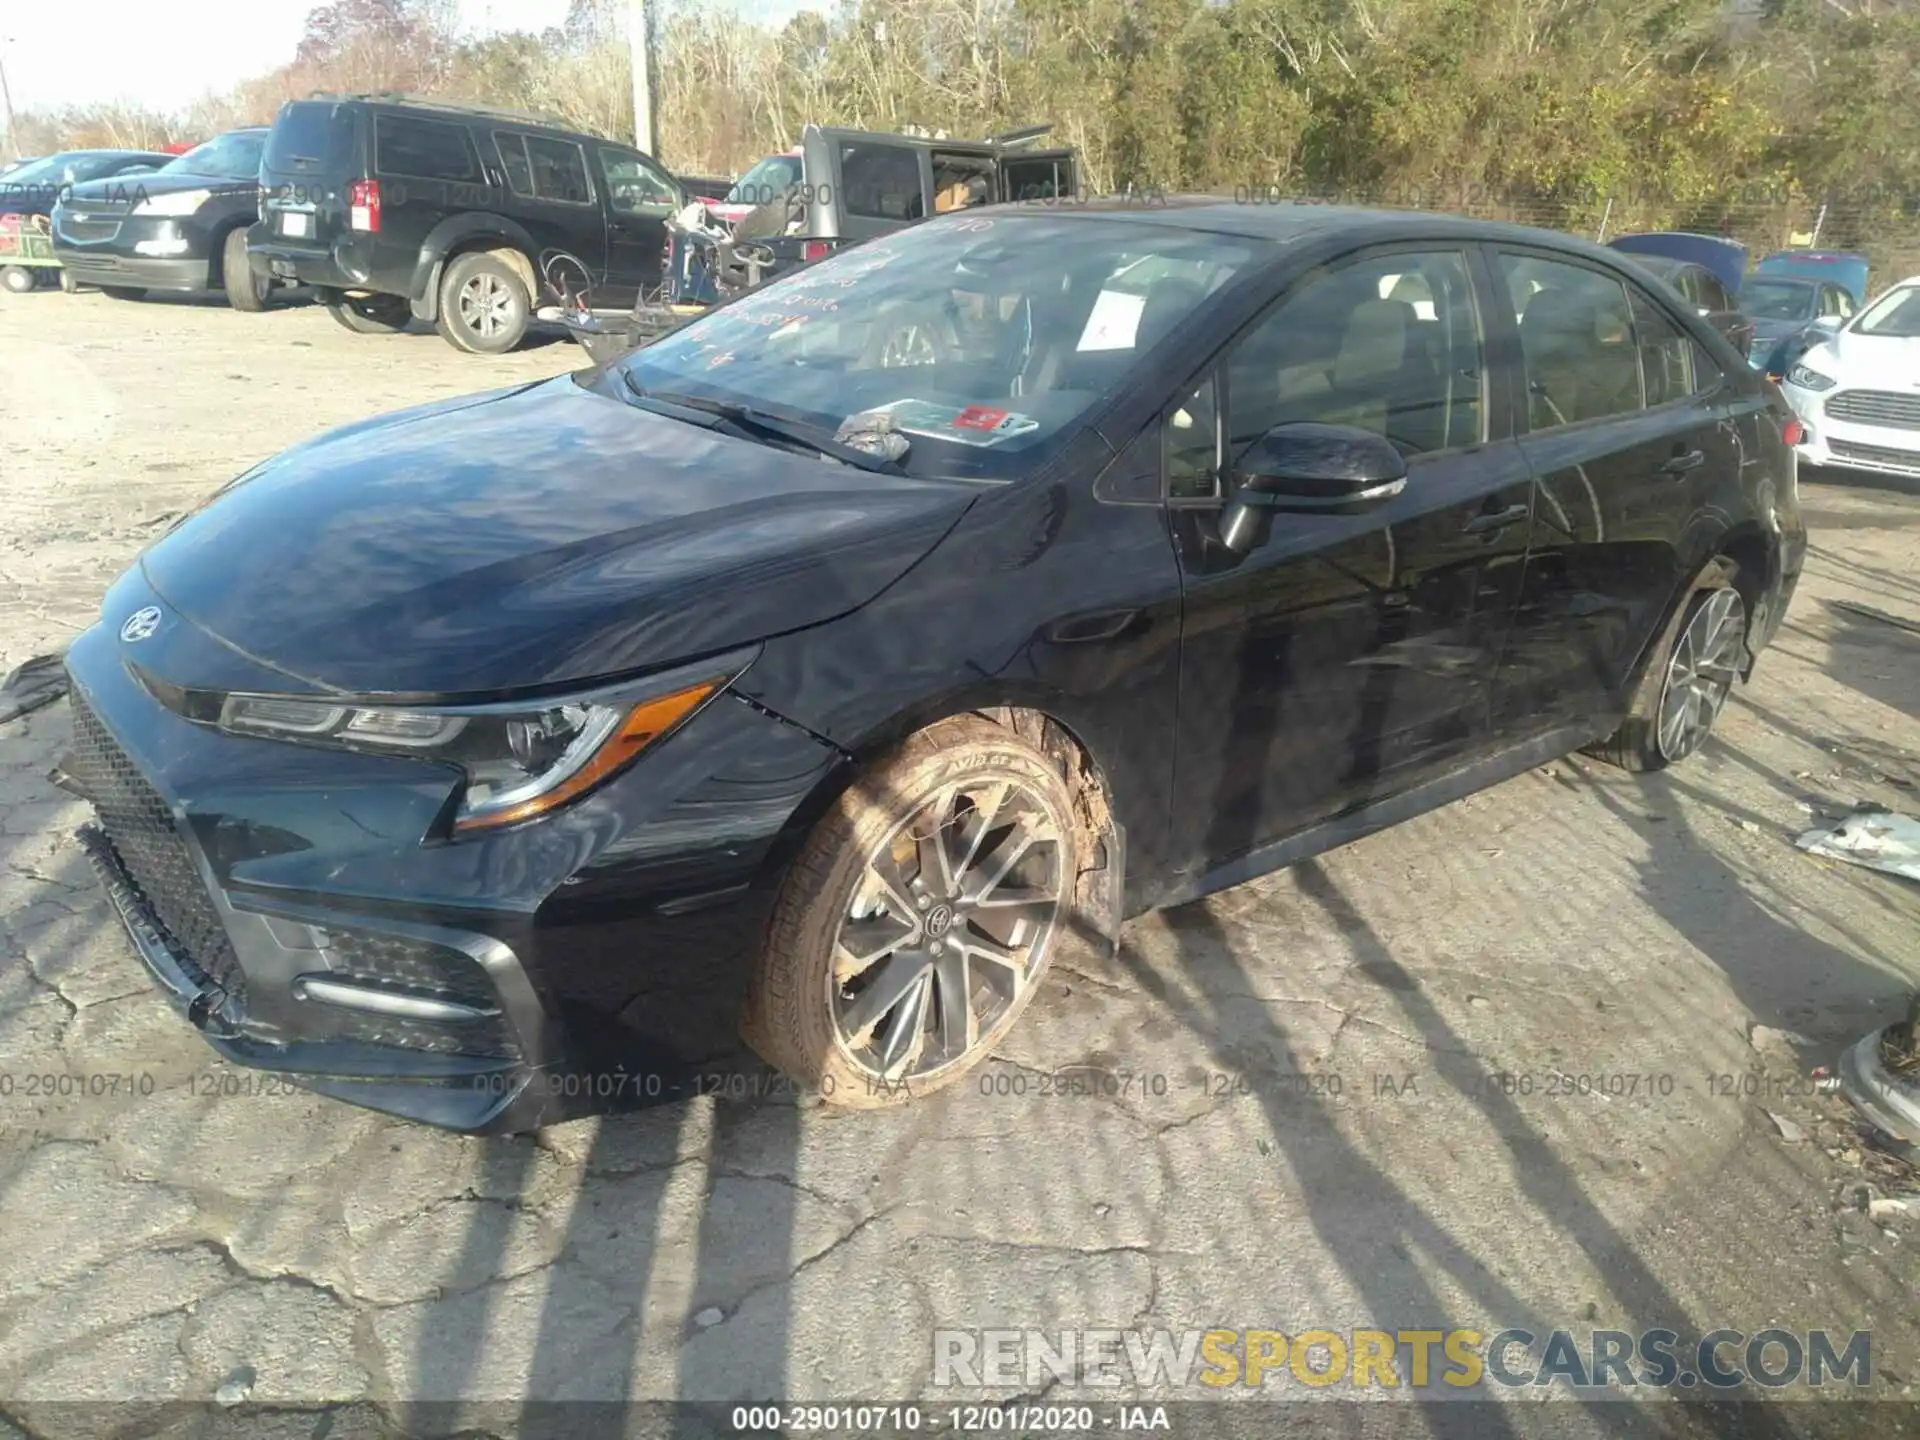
(423, 149)
(311, 135)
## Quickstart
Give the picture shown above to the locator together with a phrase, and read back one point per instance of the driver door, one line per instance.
(640, 198)
(1349, 656)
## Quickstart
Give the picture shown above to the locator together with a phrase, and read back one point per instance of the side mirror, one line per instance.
(1310, 469)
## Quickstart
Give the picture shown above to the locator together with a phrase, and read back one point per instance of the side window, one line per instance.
(1713, 295)
(960, 181)
(635, 187)
(1844, 304)
(513, 159)
(1576, 341)
(559, 171)
(1687, 282)
(1391, 344)
(881, 182)
(422, 149)
(1190, 444)
(1666, 355)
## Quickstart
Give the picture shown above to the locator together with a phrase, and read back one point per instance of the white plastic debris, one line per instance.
(874, 432)
(1877, 838)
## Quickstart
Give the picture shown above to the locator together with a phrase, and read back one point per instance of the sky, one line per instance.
(167, 56)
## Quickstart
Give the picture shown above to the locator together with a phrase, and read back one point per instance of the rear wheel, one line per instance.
(918, 919)
(246, 290)
(17, 278)
(1687, 682)
(484, 305)
(124, 292)
(372, 314)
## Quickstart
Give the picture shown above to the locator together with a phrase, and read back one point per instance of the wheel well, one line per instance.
(217, 254)
(509, 255)
(1750, 553)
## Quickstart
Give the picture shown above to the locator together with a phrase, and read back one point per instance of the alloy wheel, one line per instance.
(910, 344)
(486, 306)
(949, 925)
(1700, 675)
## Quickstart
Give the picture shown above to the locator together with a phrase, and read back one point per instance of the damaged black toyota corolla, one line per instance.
(819, 672)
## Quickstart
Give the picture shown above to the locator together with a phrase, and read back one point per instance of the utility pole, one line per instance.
(640, 46)
(6, 95)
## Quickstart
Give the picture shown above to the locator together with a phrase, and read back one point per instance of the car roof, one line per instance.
(1290, 221)
(110, 150)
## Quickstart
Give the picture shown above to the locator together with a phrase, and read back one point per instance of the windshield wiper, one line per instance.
(754, 424)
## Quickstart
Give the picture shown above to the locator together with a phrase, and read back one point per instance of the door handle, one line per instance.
(1487, 522)
(1681, 464)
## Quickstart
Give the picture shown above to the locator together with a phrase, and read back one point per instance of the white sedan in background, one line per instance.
(1858, 394)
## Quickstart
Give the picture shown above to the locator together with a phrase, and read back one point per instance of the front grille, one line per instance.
(1877, 407)
(1907, 460)
(88, 231)
(154, 854)
(414, 967)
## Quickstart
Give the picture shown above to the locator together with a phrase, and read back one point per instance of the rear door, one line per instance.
(1627, 430)
(1350, 656)
(640, 198)
(551, 192)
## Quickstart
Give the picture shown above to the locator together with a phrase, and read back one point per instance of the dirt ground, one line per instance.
(1538, 1003)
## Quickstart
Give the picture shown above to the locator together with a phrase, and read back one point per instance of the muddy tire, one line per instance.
(1687, 678)
(484, 305)
(249, 292)
(919, 917)
(372, 314)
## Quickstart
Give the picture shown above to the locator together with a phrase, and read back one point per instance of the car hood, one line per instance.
(122, 192)
(532, 537)
(1885, 362)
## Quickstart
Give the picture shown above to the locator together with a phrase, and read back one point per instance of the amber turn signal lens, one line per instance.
(645, 723)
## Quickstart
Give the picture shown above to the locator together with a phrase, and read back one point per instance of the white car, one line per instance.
(1858, 394)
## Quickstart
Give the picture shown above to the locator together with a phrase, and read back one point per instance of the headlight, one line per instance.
(181, 202)
(520, 760)
(1809, 379)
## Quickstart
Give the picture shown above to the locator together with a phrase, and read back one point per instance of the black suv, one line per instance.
(396, 208)
(183, 227)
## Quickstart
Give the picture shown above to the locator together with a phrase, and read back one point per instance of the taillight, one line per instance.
(815, 250)
(363, 205)
(1793, 432)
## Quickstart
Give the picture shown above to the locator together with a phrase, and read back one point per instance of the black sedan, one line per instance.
(182, 228)
(35, 187)
(821, 671)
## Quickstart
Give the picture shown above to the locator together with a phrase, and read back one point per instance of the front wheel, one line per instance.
(919, 917)
(68, 285)
(1687, 683)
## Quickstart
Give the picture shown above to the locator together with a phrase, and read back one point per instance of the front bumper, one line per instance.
(106, 249)
(289, 904)
(1843, 444)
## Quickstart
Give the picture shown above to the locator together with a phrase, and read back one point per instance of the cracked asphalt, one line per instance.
(1387, 1088)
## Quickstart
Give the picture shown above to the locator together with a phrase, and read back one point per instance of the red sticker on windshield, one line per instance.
(979, 417)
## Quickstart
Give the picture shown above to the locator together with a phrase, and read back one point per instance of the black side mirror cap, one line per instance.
(1312, 469)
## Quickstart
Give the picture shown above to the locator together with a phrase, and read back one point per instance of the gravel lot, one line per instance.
(172, 1227)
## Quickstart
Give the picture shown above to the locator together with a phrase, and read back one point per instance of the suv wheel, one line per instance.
(484, 306)
(249, 291)
(919, 917)
(372, 314)
(1687, 682)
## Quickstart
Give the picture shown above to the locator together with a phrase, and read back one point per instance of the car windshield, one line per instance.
(766, 181)
(66, 169)
(227, 157)
(1895, 315)
(982, 340)
(1778, 299)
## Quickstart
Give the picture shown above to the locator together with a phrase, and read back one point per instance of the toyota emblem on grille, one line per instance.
(141, 623)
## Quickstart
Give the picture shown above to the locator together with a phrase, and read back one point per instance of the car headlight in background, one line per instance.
(520, 760)
(180, 202)
(1809, 379)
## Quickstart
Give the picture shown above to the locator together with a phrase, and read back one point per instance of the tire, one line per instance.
(904, 337)
(484, 305)
(68, 285)
(17, 279)
(124, 292)
(250, 295)
(1639, 744)
(372, 314)
(834, 1028)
